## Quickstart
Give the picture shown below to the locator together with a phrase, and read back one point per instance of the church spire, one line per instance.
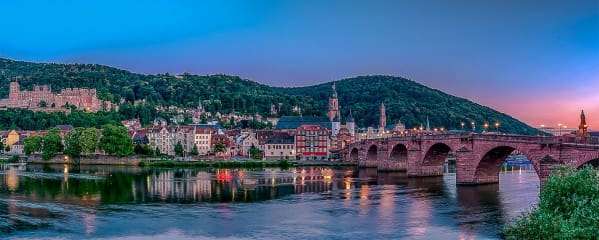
(334, 92)
(428, 125)
(350, 118)
(383, 117)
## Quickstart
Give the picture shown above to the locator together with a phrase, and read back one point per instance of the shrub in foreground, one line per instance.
(568, 208)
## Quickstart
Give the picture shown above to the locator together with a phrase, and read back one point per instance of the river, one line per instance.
(110, 202)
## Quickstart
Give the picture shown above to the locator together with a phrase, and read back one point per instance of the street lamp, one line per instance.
(462, 123)
(559, 125)
(542, 129)
(473, 126)
(486, 126)
(496, 126)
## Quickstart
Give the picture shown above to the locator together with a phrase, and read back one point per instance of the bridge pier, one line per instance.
(466, 161)
(368, 158)
(414, 162)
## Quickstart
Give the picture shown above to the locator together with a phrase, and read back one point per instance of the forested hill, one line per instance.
(404, 99)
(407, 101)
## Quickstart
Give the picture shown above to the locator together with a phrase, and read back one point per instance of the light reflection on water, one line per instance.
(314, 202)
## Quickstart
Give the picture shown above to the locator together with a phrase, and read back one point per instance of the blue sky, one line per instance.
(526, 58)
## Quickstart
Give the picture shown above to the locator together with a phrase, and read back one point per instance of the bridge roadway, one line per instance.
(478, 157)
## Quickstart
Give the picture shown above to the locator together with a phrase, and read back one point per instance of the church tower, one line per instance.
(383, 118)
(582, 128)
(333, 105)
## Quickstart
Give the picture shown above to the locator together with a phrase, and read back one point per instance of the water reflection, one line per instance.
(389, 203)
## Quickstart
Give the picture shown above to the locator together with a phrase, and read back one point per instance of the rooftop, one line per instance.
(293, 122)
(281, 139)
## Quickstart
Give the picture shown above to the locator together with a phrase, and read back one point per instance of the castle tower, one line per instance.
(14, 90)
(351, 124)
(582, 128)
(333, 105)
(383, 118)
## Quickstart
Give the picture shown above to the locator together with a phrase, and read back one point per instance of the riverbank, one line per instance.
(169, 162)
(216, 164)
(241, 164)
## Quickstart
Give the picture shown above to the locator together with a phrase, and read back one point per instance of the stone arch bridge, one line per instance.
(478, 157)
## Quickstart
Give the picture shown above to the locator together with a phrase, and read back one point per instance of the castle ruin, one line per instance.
(41, 98)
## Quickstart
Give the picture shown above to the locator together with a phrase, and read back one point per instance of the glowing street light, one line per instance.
(462, 123)
(473, 126)
(559, 125)
(542, 129)
(496, 126)
(486, 126)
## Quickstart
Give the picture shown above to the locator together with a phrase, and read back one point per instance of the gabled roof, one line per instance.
(281, 139)
(310, 127)
(293, 122)
(65, 127)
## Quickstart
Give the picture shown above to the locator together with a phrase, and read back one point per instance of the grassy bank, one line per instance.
(217, 164)
(568, 208)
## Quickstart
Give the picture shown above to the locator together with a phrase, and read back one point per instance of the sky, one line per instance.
(535, 60)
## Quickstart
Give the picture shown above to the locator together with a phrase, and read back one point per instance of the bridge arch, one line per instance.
(398, 157)
(399, 153)
(372, 153)
(434, 159)
(593, 162)
(489, 166)
(354, 155)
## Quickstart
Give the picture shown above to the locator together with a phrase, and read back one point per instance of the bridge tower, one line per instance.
(351, 124)
(582, 128)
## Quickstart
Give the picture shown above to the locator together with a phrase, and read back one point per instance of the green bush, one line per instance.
(568, 208)
(14, 159)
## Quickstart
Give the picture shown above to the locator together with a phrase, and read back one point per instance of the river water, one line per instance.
(108, 202)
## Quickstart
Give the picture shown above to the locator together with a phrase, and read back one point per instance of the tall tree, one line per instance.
(72, 147)
(219, 148)
(81, 141)
(115, 140)
(51, 144)
(89, 141)
(254, 152)
(194, 150)
(179, 149)
(33, 144)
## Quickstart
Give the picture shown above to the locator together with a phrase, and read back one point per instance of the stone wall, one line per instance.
(91, 160)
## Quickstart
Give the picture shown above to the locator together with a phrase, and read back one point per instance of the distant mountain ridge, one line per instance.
(404, 99)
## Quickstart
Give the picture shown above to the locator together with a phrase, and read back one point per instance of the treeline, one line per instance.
(24, 119)
(114, 140)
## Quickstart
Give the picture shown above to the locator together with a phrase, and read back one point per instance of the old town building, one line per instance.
(280, 147)
(245, 141)
(312, 142)
(203, 139)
